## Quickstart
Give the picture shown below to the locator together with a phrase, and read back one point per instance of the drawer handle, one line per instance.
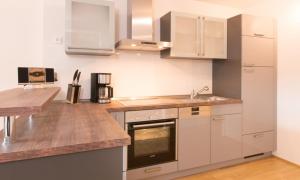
(258, 135)
(259, 35)
(152, 170)
(153, 125)
(249, 70)
(221, 118)
(249, 65)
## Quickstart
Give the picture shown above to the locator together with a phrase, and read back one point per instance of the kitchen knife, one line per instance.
(75, 76)
(78, 77)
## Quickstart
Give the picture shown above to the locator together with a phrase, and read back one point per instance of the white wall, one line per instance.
(21, 38)
(288, 81)
(142, 74)
(288, 125)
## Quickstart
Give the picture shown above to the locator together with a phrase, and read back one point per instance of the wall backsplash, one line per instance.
(135, 74)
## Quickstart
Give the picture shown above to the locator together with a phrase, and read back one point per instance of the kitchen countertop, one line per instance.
(64, 128)
(165, 102)
(21, 101)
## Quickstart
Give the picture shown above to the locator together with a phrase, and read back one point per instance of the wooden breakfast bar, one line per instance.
(61, 141)
(19, 102)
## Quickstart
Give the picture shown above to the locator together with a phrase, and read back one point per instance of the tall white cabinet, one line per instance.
(250, 74)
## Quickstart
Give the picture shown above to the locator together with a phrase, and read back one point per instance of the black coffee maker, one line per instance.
(101, 92)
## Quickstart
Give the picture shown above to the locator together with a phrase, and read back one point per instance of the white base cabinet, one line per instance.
(258, 84)
(226, 133)
(193, 137)
(208, 135)
(258, 143)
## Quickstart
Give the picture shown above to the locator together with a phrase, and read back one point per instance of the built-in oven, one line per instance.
(152, 142)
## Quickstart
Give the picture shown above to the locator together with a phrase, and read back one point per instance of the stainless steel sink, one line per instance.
(170, 100)
(212, 98)
(206, 98)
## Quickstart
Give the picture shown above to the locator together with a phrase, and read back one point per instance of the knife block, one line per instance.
(73, 93)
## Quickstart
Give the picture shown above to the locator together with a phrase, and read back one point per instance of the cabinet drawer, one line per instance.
(258, 26)
(227, 109)
(264, 49)
(258, 143)
(147, 115)
(151, 171)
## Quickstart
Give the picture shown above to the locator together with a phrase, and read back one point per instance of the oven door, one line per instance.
(152, 142)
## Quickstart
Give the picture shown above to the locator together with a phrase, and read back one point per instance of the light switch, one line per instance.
(59, 40)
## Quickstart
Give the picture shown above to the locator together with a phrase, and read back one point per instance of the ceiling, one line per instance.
(233, 3)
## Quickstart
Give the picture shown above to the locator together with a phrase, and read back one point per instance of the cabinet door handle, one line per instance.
(95, 49)
(152, 170)
(259, 35)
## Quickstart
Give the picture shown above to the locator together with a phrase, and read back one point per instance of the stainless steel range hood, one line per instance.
(140, 28)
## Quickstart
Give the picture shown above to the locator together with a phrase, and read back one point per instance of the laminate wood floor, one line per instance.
(266, 169)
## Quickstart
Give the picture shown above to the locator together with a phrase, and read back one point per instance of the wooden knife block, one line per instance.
(73, 93)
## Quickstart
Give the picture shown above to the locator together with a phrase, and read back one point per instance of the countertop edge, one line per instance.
(64, 150)
(20, 111)
(123, 108)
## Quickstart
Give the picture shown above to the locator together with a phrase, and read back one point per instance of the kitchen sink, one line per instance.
(206, 98)
(170, 100)
(212, 98)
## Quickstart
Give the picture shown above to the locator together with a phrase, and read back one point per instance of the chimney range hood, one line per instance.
(140, 28)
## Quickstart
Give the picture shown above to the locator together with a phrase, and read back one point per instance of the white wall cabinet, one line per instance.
(193, 36)
(90, 27)
(257, 51)
(263, 27)
(214, 38)
(185, 35)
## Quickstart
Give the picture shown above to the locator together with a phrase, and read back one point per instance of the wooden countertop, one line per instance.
(165, 102)
(63, 128)
(21, 101)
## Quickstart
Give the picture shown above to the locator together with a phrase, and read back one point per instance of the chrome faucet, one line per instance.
(194, 93)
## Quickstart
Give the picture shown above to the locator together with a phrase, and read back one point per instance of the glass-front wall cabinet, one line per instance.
(214, 38)
(185, 35)
(194, 36)
(90, 27)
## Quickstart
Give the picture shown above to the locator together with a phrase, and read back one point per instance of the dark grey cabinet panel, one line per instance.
(94, 165)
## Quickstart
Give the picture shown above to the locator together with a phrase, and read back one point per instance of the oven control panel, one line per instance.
(150, 115)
